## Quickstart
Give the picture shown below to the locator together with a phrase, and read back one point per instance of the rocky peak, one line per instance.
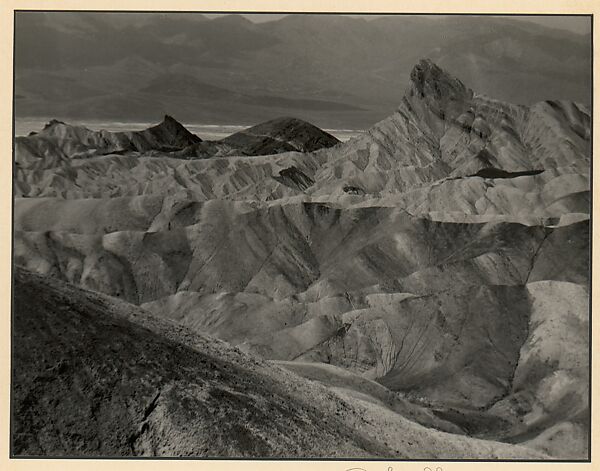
(431, 80)
(168, 119)
(443, 93)
(52, 123)
(172, 132)
(172, 124)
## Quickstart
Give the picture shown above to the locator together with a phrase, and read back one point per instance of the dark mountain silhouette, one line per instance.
(293, 133)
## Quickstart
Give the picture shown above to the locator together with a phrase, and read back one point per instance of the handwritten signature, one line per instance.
(426, 468)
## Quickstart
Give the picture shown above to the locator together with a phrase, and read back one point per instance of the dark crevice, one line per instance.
(492, 172)
(133, 438)
(535, 255)
(151, 406)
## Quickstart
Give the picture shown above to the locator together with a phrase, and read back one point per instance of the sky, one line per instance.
(575, 24)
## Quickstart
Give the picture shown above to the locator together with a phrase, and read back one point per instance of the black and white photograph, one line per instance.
(316, 236)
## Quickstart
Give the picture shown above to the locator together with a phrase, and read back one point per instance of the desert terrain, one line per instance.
(418, 291)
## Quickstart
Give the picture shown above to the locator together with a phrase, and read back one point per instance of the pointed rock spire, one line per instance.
(430, 80)
(443, 93)
(172, 132)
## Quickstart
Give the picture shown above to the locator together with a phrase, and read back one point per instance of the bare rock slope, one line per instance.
(97, 377)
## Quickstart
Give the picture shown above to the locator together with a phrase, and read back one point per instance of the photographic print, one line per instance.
(301, 235)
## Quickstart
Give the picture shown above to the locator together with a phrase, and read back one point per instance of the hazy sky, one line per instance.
(575, 24)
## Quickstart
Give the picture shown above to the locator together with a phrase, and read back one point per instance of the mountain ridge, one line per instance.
(544, 64)
(58, 142)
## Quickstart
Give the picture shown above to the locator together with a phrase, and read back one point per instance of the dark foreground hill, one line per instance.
(96, 377)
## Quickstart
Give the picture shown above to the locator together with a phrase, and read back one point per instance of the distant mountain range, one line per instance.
(334, 71)
(58, 142)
